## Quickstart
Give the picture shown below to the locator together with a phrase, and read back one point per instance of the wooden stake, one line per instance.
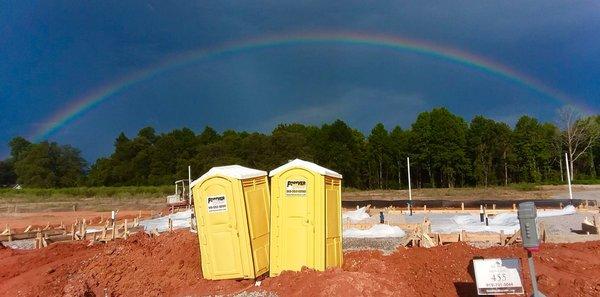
(82, 230)
(125, 231)
(462, 206)
(27, 229)
(494, 206)
(514, 237)
(38, 240)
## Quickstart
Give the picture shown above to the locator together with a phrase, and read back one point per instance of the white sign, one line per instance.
(216, 203)
(498, 276)
(295, 188)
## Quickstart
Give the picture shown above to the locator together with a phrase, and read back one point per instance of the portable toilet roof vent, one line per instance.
(306, 165)
(232, 171)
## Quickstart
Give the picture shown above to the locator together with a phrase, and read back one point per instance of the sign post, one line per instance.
(527, 214)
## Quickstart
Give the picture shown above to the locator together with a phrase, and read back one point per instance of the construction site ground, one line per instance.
(169, 265)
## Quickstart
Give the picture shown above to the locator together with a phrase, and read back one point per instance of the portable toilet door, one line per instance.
(306, 224)
(232, 212)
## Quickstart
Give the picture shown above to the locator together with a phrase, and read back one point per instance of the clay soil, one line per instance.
(18, 221)
(168, 265)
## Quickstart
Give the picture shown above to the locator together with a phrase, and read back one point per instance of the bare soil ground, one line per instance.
(35, 219)
(169, 266)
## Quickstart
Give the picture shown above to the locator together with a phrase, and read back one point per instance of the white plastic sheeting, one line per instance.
(377, 231)
(180, 220)
(507, 222)
(356, 215)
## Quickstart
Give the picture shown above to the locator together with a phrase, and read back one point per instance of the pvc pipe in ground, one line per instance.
(189, 184)
(569, 176)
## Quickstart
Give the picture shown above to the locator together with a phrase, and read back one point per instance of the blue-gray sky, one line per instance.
(55, 52)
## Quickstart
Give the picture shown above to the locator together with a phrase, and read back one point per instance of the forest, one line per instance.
(444, 150)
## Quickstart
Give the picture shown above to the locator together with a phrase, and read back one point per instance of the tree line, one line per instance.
(445, 151)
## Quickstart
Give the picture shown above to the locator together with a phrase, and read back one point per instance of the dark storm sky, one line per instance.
(53, 53)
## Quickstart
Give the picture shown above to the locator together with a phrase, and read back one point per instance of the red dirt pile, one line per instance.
(169, 265)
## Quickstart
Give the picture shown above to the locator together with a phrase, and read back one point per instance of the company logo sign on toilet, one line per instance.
(295, 188)
(216, 203)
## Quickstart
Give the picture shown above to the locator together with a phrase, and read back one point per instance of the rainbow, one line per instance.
(78, 107)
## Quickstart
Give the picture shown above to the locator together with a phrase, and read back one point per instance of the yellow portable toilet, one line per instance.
(306, 217)
(232, 214)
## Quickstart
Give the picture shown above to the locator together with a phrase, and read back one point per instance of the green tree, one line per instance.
(378, 147)
(421, 139)
(504, 151)
(208, 136)
(292, 141)
(7, 173)
(533, 148)
(18, 146)
(438, 141)
(482, 143)
(339, 148)
(47, 165)
(399, 151)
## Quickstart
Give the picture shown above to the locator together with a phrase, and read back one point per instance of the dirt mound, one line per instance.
(169, 265)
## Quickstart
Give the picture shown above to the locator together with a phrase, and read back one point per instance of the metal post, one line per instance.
(527, 215)
(481, 213)
(534, 287)
(569, 176)
(409, 186)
